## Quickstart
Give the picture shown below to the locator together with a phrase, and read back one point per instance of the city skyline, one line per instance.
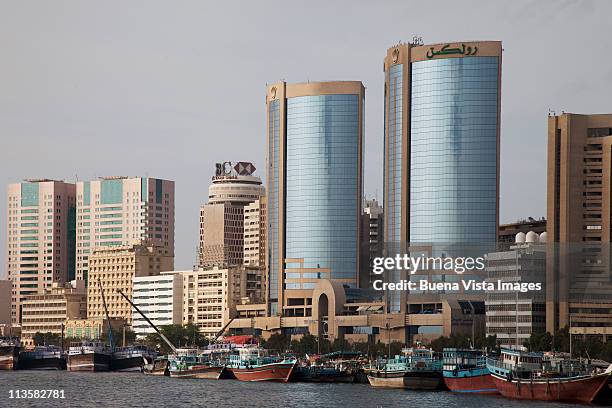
(72, 101)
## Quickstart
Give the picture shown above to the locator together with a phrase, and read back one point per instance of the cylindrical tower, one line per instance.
(315, 160)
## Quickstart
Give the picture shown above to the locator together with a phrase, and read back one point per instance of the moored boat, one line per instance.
(522, 375)
(465, 370)
(88, 356)
(320, 373)
(415, 369)
(132, 358)
(42, 358)
(194, 363)
(9, 353)
(159, 366)
(335, 367)
(253, 364)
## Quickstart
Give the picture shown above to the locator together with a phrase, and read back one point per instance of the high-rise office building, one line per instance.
(371, 241)
(40, 237)
(235, 183)
(442, 126)
(579, 217)
(221, 235)
(222, 218)
(255, 228)
(117, 211)
(315, 155)
(441, 157)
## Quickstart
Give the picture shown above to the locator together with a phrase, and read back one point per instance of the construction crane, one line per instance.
(149, 321)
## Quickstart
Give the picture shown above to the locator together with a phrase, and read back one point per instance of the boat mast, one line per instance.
(570, 333)
(164, 338)
(110, 329)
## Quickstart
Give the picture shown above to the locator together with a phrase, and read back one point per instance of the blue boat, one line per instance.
(465, 370)
(415, 369)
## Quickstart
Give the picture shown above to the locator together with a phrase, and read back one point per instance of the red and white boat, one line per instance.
(253, 364)
(521, 375)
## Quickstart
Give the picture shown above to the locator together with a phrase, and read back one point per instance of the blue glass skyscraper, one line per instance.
(314, 186)
(441, 165)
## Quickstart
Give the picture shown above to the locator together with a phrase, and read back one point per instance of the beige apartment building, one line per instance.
(6, 287)
(579, 217)
(40, 237)
(222, 218)
(255, 233)
(210, 296)
(119, 211)
(114, 268)
(47, 312)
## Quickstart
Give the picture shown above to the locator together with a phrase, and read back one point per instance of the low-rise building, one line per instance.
(92, 328)
(334, 311)
(47, 312)
(160, 298)
(115, 268)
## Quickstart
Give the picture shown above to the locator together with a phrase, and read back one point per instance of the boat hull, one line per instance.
(90, 362)
(9, 358)
(279, 372)
(426, 381)
(581, 389)
(308, 374)
(203, 372)
(159, 367)
(470, 381)
(50, 363)
(128, 364)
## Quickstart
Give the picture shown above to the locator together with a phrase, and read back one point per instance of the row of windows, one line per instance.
(448, 100)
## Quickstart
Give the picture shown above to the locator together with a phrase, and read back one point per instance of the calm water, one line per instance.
(138, 390)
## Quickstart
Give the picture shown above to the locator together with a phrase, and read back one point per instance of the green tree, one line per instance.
(276, 342)
(560, 342)
(306, 345)
(489, 343)
(130, 336)
(340, 345)
(588, 347)
(454, 341)
(539, 342)
(47, 339)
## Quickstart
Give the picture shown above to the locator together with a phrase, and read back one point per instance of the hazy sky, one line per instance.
(166, 89)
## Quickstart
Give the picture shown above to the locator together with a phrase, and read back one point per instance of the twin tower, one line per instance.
(441, 162)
